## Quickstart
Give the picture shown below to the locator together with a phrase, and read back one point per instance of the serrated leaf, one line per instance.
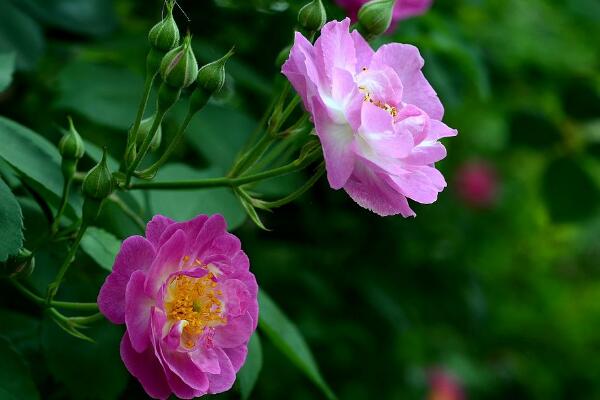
(16, 381)
(11, 223)
(186, 204)
(248, 374)
(102, 246)
(288, 339)
(7, 67)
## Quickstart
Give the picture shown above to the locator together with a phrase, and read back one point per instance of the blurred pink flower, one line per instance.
(377, 117)
(444, 386)
(189, 303)
(402, 10)
(477, 184)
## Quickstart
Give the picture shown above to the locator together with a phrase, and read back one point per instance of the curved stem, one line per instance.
(146, 144)
(294, 166)
(127, 211)
(299, 192)
(62, 206)
(67, 305)
(172, 146)
(55, 285)
(140, 114)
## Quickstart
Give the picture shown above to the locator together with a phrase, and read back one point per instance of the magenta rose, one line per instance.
(377, 117)
(402, 10)
(189, 303)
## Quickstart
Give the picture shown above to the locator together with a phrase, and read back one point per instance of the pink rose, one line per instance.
(477, 184)
(377, 117)
(189, 303)
(402, 10)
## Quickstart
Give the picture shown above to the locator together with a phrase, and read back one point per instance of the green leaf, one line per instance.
(218, 133)
(569, 190)
(19, 33)
(15, 378)
(11, 223)
(101, 246)
(186, 204)
(88, 370)
(36, 159)
(284, 334)
(248, 374)
(91, 17)
(104, 94)
(7, 67)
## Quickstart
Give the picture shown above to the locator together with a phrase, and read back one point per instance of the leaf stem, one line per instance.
(63, 204)
(67, 305)
(294, 166)
(55, 285)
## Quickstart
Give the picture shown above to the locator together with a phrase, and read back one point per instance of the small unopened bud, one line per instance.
(98, 183)
(71, 145)
(144, 130)
(19, 265)
(210, 81)
(312, 16)
(165, 35)
(375, 17)
(179, 68)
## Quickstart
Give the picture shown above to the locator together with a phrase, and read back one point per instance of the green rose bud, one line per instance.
(165, 35)
(71, 146)
(98, 183)
(179, 68)
(210, 81)
(375, 17)
(144, 130)
(19, 265)
(312, 16)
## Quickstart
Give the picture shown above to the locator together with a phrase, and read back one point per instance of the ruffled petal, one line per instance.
(237, 331)
(137, 313)
(146, 368)
(136, 253)
(167, 261)
(224, 380)
(237, 356)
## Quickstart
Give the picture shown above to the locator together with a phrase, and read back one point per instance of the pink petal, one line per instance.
(206, 360)
(440, 130)
(338, 142)
(156, 227)
(335, 47)
(409, 8)
(146, 368)
(224, 380)
(301, 69)
(226, 244)
(421, 184)
(166, 262)
(180, 362)
(136, 253)
(371, 191)
(407, 62)
(364, 52)
(236, 297)
(215, 226)
(137, 313)
(237, 331)
(237, 356)
(380, 136)
(427, 152)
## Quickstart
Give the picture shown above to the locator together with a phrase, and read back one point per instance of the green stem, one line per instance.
(146, 144)
(140, 114)
(127, 211)
(67, 305)
(62, 206)
(55, 285)
(172, 146)
(294, 166)
(299, 192)
(251, 156)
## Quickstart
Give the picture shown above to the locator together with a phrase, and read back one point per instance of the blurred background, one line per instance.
(493, 292)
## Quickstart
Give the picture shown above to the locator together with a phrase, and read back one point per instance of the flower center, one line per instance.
(196, 301)
(393, 111)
